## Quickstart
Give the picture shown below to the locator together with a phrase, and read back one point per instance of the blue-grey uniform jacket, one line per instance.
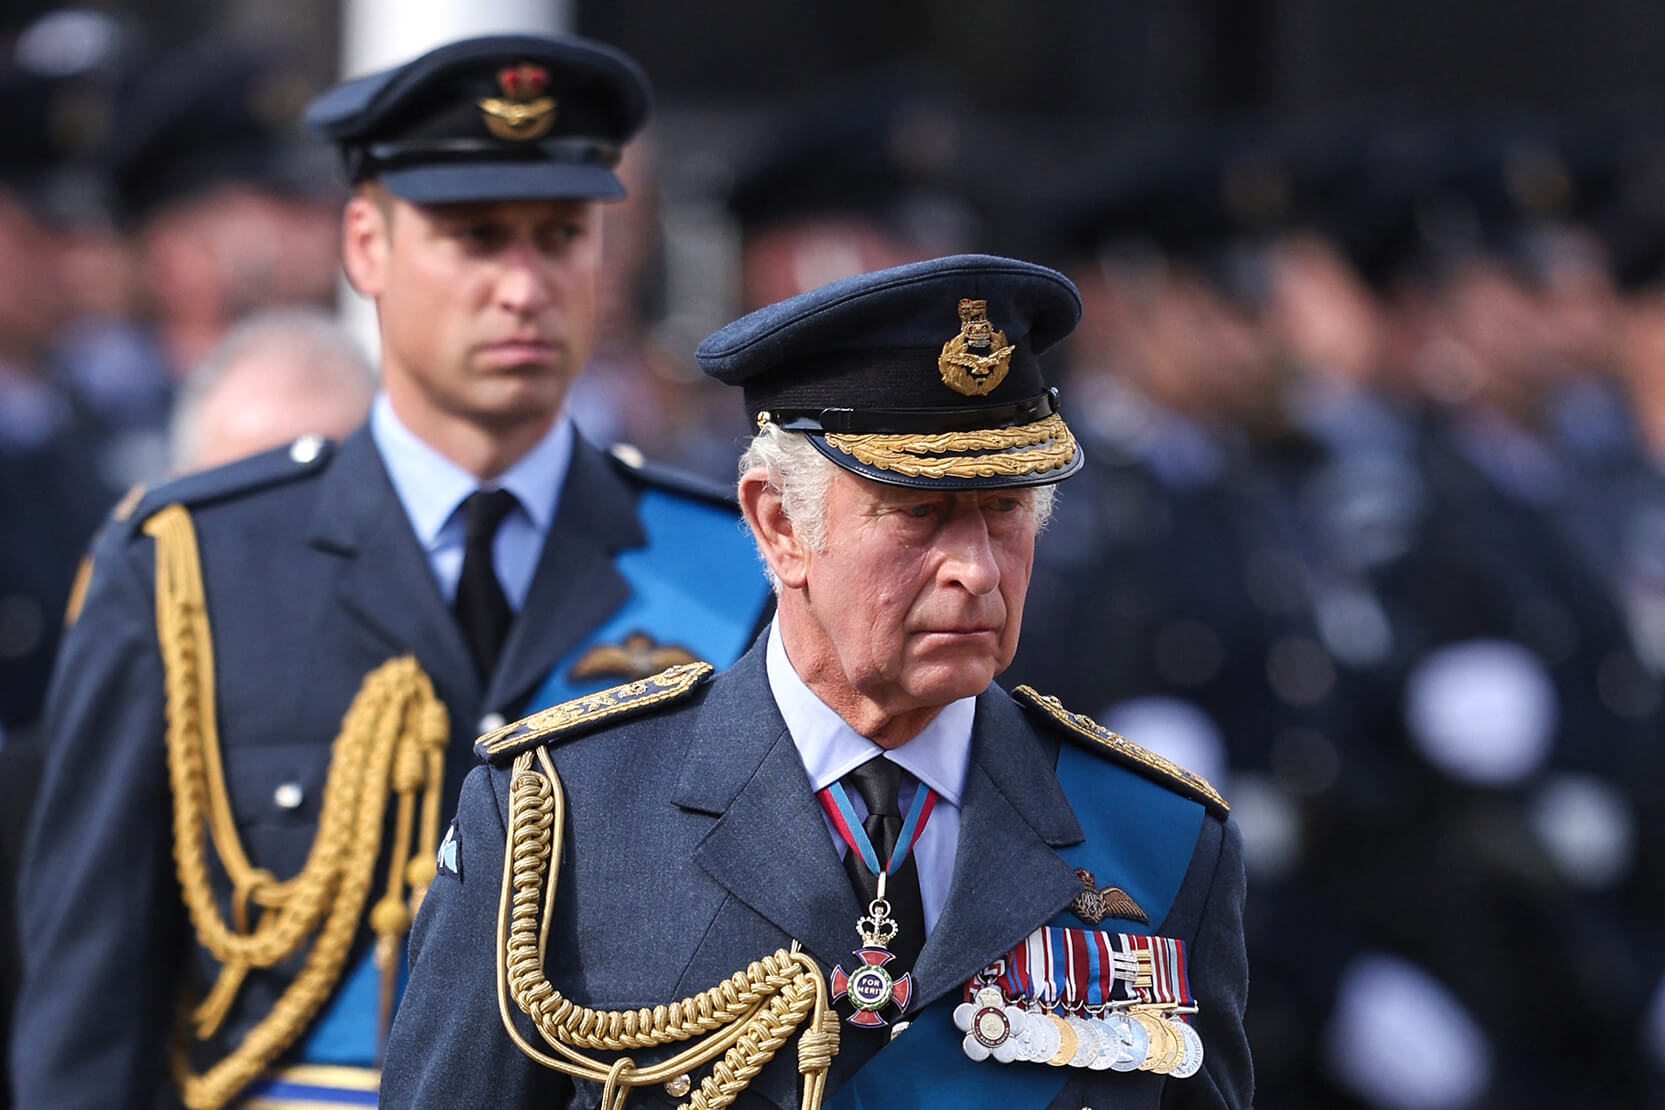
(694, 845)
(313, 578)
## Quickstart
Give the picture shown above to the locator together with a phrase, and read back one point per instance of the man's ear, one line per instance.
(366, 227)
(777, 538)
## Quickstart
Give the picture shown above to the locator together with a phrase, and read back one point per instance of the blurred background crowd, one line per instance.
(1371, 379)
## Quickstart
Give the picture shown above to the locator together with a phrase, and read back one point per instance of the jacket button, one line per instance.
(289, 795)
(306, 448)
(491, 722)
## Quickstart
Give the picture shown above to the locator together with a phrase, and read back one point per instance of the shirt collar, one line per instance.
(431, 486)
(830, 748)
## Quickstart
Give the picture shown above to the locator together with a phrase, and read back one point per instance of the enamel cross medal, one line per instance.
(874, 984)
(871, 987)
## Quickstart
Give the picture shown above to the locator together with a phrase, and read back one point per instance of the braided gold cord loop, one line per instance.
(744, 1020)
(391, 742)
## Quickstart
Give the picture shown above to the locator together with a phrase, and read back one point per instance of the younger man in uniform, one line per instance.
(261, 717)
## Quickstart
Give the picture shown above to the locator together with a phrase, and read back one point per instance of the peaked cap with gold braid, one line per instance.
(921, 375)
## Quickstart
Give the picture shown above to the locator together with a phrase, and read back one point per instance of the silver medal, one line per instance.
(1190, 1050)
(1087, 1042)
(1041, 1039)
(1131, 1041)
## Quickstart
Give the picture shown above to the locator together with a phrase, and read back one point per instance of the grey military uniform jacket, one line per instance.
(694, 845)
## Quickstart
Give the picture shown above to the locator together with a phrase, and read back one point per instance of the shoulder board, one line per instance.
(581, 715)
(129, 501)
(1094, 736)
(119, 516)
(629, 460)
(307, 455)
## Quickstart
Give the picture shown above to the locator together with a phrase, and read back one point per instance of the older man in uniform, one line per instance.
(852, 839)
(260, 720)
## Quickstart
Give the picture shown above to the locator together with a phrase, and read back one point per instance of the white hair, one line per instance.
(316, 351)
(802, 476)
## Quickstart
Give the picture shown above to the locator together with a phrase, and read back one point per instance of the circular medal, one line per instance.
(1130, 1041)
(1161, 1041)
(991, 1027)
(1087, 1043)
(1191, 1051)
(1067, 1042)
(1040, 1039)
(869, 987)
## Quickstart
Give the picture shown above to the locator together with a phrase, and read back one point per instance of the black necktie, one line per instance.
(482, 610)
(878, 781)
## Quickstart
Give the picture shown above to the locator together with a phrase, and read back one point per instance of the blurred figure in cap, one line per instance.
(225, 207)
(906, 453)
(866, 174)
(293, 652)
(51, 497)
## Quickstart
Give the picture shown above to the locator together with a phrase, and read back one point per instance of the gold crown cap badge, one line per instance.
(522, 113)
(974, 362)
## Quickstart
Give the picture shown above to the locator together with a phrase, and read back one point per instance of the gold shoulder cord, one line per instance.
(745, 1019)
(392, 741)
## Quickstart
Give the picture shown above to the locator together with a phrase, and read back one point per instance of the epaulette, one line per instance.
(304, 456)
(588, 713)
(119, 515)
(630, 461)
(1094, 736)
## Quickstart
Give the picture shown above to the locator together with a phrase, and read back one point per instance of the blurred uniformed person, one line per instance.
(1502, 759)
(278, 375)
(221, 206)
(864, 174)
(1005, 850)
(260, 720)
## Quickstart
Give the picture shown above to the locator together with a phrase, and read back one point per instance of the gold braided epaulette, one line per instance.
(1080, 727)
(581, 715)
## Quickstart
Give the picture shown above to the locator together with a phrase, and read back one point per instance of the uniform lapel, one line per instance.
(385, 581)
(769, 844)
(575, 586)
(1008, 876)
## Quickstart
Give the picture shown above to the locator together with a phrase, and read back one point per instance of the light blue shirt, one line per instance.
(432, 488)
(830, 749)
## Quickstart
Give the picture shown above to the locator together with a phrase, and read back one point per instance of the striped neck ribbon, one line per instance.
(842, 814)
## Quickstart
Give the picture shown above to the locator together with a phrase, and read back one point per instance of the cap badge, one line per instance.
(975, 361)
(522, 113)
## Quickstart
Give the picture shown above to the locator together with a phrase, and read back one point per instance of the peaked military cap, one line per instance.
(211, 111)
(920, 375)
(502, 117)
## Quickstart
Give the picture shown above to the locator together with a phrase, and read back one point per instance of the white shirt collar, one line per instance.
(830, 748)
(431, 486)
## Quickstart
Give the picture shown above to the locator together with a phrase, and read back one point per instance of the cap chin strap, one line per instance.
(913, 421)
(372, 159)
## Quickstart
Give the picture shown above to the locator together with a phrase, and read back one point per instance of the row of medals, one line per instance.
(1128, 1038)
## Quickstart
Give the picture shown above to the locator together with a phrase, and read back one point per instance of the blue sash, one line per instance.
(696, 583)
(1123, 815)
(313, 1087)
(346, 1032)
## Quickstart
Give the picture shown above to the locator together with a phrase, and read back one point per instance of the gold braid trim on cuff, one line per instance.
(744, 1020)
(392, 742)
(999, 452)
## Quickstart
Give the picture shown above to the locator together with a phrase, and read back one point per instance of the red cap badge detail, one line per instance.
(523, 113)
